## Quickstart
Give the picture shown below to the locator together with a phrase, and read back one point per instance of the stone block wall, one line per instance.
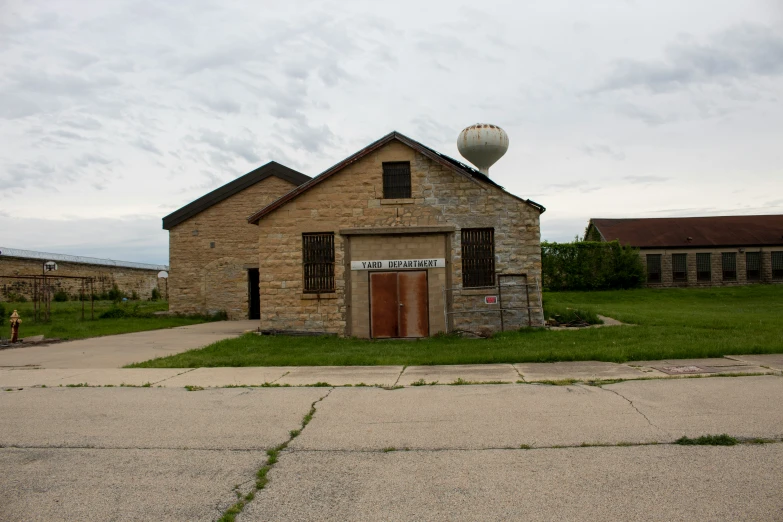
(128, 280)
(353, 198)
(716, 263)
(211, 253)
(473, 314)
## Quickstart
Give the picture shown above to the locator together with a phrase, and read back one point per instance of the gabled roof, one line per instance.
(717, 231)
(456, 166)
(229, 189)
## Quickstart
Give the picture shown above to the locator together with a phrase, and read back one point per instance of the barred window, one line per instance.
(397, 180)
(777, 265)
(478, 257)
(680, 267)
(753, 266)
(653, 268)
(703, 267)
(318, 262)
(729, 263)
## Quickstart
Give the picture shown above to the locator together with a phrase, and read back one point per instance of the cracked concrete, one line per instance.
(162, 418)
(169, 454)
(634, 407)
(474, 417)
(739, 406)
(627, 483)
(120, 484)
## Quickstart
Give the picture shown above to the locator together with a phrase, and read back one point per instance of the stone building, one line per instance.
(396, 240)
(213, 251)
(701, 251)
(139, 278)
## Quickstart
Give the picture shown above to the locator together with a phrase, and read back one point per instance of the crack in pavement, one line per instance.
(286, 373)
(183, 373)
(229, 515)
(637, 410)
(584, 445)
(400, 375)
(142, 448)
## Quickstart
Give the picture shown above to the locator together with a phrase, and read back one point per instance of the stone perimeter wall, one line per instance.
(716, 260)
(352, 198)
(127, 279)
(207, 279)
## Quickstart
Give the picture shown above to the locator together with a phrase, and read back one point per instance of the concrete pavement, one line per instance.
(421, 452)
(627, 483)
(137, 453)
(498, 416)
(134, 444)
(473, 417)
(224, 419)
(388, 376)
(115, 351)
(67, 484)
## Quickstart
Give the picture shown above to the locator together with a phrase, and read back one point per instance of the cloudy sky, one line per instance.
(114, 114)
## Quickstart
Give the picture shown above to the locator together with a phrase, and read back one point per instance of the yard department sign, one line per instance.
(399, 264)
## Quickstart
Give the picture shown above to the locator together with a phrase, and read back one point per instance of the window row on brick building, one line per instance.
(704, 267)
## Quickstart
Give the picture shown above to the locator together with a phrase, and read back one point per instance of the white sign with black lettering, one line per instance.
(399, 264)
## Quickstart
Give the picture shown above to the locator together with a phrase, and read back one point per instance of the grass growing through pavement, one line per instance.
(670, 323)
(708, 440)
(66, 319)
(272, 457)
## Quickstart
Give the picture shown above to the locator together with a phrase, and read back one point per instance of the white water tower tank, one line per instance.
(482, 144)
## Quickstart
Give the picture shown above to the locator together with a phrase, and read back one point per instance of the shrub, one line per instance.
(590, 265)
(155, 295)
(113, 313)
(115, 294)
(120, 312)
(134, 296)
(14, 297)
(2, 313)
(60, 296)
(565, 315)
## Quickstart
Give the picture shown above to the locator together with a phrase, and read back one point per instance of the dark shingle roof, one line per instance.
(451, 163)
(716, 231)
(229, 189)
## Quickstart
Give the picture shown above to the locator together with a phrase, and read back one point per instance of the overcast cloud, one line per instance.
(114, 114)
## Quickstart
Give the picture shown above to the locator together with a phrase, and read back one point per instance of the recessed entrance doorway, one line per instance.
(253, 294)
(398, 304)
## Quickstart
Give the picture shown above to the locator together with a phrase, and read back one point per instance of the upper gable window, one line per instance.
(397, 180)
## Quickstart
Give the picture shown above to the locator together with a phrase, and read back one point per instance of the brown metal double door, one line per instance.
(398, 304)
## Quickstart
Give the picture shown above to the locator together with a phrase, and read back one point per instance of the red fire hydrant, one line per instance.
(15, 322)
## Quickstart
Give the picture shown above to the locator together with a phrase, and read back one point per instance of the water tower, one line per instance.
(482, 144)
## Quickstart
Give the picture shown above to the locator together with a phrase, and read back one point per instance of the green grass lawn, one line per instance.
(670, 323)
(66, 320)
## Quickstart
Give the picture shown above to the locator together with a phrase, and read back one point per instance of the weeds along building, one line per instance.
(701, 251)
(396, 240)
(130, 278)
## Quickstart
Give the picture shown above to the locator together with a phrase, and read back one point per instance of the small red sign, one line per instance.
(491, 299)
